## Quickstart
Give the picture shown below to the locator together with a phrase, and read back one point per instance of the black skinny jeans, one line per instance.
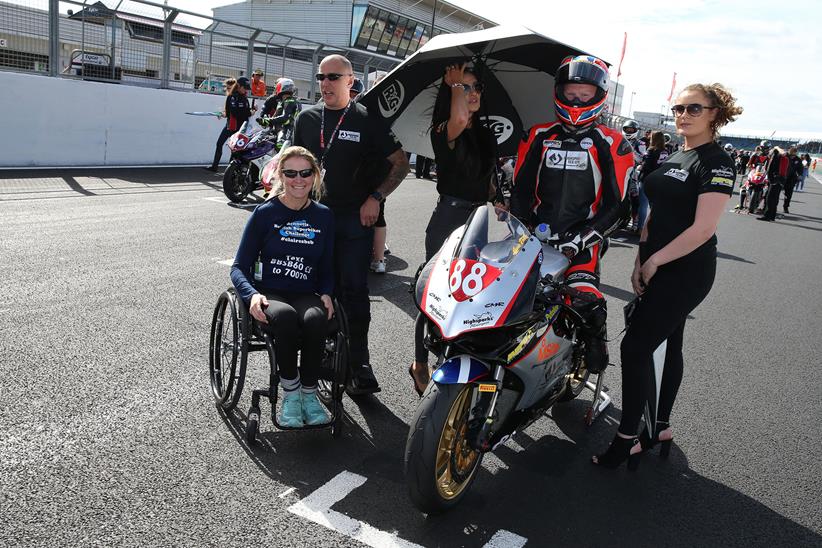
(675, 290)
(218, 153)
(444, 220)
(297, 322)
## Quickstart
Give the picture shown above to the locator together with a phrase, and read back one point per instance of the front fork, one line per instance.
(481, 441)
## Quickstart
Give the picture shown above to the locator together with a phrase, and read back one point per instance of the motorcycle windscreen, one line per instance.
(483, 277)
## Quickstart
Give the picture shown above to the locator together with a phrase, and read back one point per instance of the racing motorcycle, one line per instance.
(500, 320)
(250, 152)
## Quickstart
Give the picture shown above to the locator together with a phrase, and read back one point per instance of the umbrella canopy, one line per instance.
(516, 65)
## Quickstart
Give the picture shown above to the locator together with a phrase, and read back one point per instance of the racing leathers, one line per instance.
(575, 181)
(283, 119)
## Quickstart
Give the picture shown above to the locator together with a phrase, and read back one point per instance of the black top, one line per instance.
(237, 110)
(295, 248)
(651, 161)
(795, 169)
(673, 191)
(465, 171)
(360, 136)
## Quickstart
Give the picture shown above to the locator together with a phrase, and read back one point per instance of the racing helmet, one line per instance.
(666, 137)
(728, 147)
(357, 86)
(764, 144)
(580, 69)
(630, 130)
(284, 85)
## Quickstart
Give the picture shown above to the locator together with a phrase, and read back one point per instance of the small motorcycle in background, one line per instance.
(250, 152)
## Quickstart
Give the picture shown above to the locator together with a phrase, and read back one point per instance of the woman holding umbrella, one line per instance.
(465, 156)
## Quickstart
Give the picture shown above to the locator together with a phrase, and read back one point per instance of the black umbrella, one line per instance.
(516, 65)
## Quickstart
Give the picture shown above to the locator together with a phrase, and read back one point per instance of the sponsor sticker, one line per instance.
(487, 387)
(586, 143)
(565, 159)
(678, 174)
(550, 143)
(349, 136)
(722, 181)
(479, 320)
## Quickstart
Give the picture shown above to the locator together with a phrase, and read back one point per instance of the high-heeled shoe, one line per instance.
(621, 449)
(664, 445)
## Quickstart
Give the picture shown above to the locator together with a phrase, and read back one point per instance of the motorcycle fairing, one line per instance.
(514, 257)
(460, 369)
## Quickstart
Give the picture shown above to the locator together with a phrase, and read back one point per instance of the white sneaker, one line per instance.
(378, 267)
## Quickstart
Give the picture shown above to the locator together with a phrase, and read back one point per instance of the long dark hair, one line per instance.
(442, 112)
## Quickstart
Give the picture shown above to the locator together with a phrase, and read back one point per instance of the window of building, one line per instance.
(357, 20)
(375, 29)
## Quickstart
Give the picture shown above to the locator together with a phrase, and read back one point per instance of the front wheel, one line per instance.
(236, 184)
(440, 463)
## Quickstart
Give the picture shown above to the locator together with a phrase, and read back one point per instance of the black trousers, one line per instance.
(297, 322)
(789, 186)
(674, 291)
(772, 200)
(423, 167)
(353, 243)
(446, 218)
(218, 152)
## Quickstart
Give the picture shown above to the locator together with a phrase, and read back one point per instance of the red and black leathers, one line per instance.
(237, 110)
(574, 181)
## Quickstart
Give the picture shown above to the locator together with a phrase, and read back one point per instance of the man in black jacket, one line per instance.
(777, 173)
(794, 173)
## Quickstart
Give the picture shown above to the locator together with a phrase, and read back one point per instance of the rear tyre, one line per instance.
(440, 464)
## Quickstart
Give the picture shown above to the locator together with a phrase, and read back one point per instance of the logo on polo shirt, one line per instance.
(678, 174)
(349, 136)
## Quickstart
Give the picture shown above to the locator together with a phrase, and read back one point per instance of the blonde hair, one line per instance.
(317, 187)
(721, 97)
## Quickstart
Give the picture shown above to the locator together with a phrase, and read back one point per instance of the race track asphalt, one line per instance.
(109, 435)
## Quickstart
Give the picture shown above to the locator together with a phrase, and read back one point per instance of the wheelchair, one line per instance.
(235, 333)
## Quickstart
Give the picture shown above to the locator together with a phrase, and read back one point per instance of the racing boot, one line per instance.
(594, 335)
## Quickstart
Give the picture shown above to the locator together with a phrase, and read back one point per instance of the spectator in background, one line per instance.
(778, 166)
(356, 88)
(806, 166)
(237, 111)
(794, 173)
(422, 169)
(258, 84)
(653, 158)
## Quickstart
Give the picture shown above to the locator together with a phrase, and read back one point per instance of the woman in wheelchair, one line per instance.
(287, 247)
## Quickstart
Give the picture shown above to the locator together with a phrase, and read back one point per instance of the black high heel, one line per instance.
(619, 451)
(664, 445)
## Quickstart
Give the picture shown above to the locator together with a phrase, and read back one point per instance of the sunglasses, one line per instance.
(694, 109)
(478, 87)
(292, 173)
(333, 76)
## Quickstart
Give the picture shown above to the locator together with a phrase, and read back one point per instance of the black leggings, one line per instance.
(218, 153)
(674, 291)
(297, 322)
(444, 220)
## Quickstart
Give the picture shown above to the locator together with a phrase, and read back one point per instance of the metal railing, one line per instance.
(140, 42)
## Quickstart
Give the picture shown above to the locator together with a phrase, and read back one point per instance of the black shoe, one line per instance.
(618, 452)
(763, 218)
(664, 445)
(362, 381)
(785, 210)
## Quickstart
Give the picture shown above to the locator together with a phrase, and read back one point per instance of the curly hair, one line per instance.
(721, 97)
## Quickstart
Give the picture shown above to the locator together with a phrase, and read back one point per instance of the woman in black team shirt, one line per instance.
(464, 154)
(237, 111)
(676, 264)
(288, 244)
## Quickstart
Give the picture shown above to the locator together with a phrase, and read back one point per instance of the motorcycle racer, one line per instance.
(573, 175)
(287, 107)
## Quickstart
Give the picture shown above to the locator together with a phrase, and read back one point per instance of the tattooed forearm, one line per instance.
(399, 169)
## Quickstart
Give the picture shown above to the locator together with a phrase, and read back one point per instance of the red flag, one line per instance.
(621, 57)
(673, 85)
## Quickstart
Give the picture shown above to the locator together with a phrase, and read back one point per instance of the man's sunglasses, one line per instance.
(292, 173)
(333, 76)
(478, 87)
(694, 109)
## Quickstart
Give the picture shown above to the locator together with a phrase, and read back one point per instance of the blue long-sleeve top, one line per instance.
(296, 251)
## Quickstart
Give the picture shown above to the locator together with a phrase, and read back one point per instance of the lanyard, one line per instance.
(323, 150)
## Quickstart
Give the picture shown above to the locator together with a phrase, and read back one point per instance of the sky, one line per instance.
(768, 55)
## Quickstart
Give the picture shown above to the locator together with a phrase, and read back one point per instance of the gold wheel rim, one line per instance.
(577, 377)
(456, 460)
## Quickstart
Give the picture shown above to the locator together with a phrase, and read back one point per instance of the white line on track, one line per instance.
(216, 199)
(227, 262)
(286, 492)
(316, 507)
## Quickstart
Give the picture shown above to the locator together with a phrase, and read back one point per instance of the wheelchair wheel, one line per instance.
(331, 385)
(228, 352)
